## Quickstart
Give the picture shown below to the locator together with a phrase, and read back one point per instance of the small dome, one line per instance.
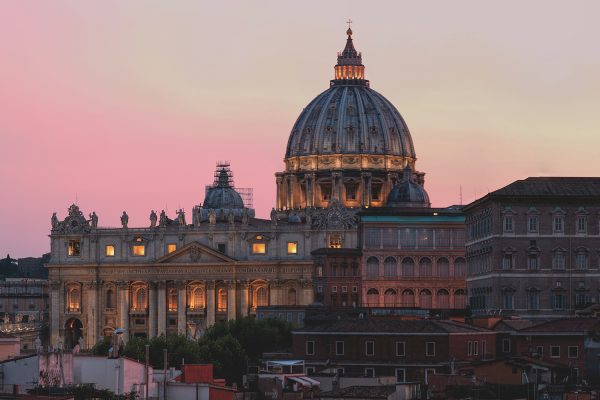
(408, 193)
(222, 194)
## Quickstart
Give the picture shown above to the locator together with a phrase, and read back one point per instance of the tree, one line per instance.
(227, 356)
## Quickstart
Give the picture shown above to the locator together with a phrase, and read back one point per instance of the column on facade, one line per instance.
(288, 191)
(279, 200)
(162, 309)
(210, 303)
(307, 186)
(336, 185)
(92, 326)
(307, 293)
(124, 308)
(152, 309)
(231, 300)
(181, 308)
(55, 289)
(243, 293)
(366, 189)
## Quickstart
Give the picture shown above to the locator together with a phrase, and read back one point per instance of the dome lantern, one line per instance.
(349, 68)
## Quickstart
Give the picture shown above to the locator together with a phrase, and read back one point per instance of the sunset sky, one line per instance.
(127, 105)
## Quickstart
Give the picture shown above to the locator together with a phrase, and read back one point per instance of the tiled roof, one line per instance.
(515, 324)
(362, 392)
(568, 325)
(391, 326)
(552, 187)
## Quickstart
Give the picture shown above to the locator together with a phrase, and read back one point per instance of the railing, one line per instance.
(17, 327)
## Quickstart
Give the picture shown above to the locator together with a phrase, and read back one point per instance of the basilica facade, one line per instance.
(349, 150)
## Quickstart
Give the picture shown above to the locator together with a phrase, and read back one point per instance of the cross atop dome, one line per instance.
(349, 68)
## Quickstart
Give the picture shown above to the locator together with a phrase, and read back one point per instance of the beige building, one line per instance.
(348, 149)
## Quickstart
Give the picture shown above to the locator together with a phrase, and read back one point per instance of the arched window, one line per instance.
(443, 267)
(372, 297)
(292, 297)
(139, 298)
(172, 299)
(443, 298)
(222, 300)
(425, 267)
(408, 267)
(460, 299)
(389, 298)
(372, 267)
(261, 297)
(110, 298)
(460, 267)
(425, 298)
(74, 299)
(408, 298)
(197, 300)
(390, 267)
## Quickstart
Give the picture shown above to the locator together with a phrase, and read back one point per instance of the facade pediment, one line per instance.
(195, 253)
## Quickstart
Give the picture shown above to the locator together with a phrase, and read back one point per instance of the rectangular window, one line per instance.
(221, 248)
(310, 348)
(476, 348)
(555, 351)
(339, 348)
(581, 224)
(539, 351)
(559, 260)
(373, 238)
(369, 348)
(326, 191)
(508, 300)
(507, 261)
(340, 371)
(430, 349)
(532, 224)
(469, 348)
(508, 223)
(532, 261)
(573, 351)
(259, 248)
(400, 349)
(292, 247)
(335, 241)
(74, 248)
(400, 375)
(558, 301)
(558, 224)
(310, 370)
(369, 372)
(344, 289)
(138, 250)
(534, 301)
(109, 250)
(581, 260)
(334, 289)
(506, 345)
(171, 247)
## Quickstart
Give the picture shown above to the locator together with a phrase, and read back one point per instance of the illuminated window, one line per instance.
(109, 250)
(171, 247)
(335, 241)
(139, 250)
(74, 248)
(351, 189)
(259, 248)
(326, 191)
(292, 247)
(376, 192)
(172, 299)
(197, 298)
(222, 300)
(74, 299)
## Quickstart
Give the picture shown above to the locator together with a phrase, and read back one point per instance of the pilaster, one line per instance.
(162, 309)
(210, 303)
(181, 303)
(152, 309)
(231, 300)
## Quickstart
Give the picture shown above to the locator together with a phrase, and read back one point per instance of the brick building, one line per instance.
(337, 277)
(407, 349)
(413, 258)
(532, 248)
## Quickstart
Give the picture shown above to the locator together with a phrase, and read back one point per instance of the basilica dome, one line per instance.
(222, 194)
(349, 144)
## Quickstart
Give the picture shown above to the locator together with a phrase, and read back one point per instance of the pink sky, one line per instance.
(126, 105)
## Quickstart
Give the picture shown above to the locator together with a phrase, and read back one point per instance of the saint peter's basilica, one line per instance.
(349, 152)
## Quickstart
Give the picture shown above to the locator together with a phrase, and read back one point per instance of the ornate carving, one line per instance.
(195, 254)
(75, 222)
(334, 217)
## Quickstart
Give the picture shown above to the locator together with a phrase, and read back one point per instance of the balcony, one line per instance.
(196, 311)
(138, 311)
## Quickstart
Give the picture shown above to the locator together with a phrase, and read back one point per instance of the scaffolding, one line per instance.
(224, 178)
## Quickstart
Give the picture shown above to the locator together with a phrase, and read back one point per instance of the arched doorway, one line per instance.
(73, 331)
